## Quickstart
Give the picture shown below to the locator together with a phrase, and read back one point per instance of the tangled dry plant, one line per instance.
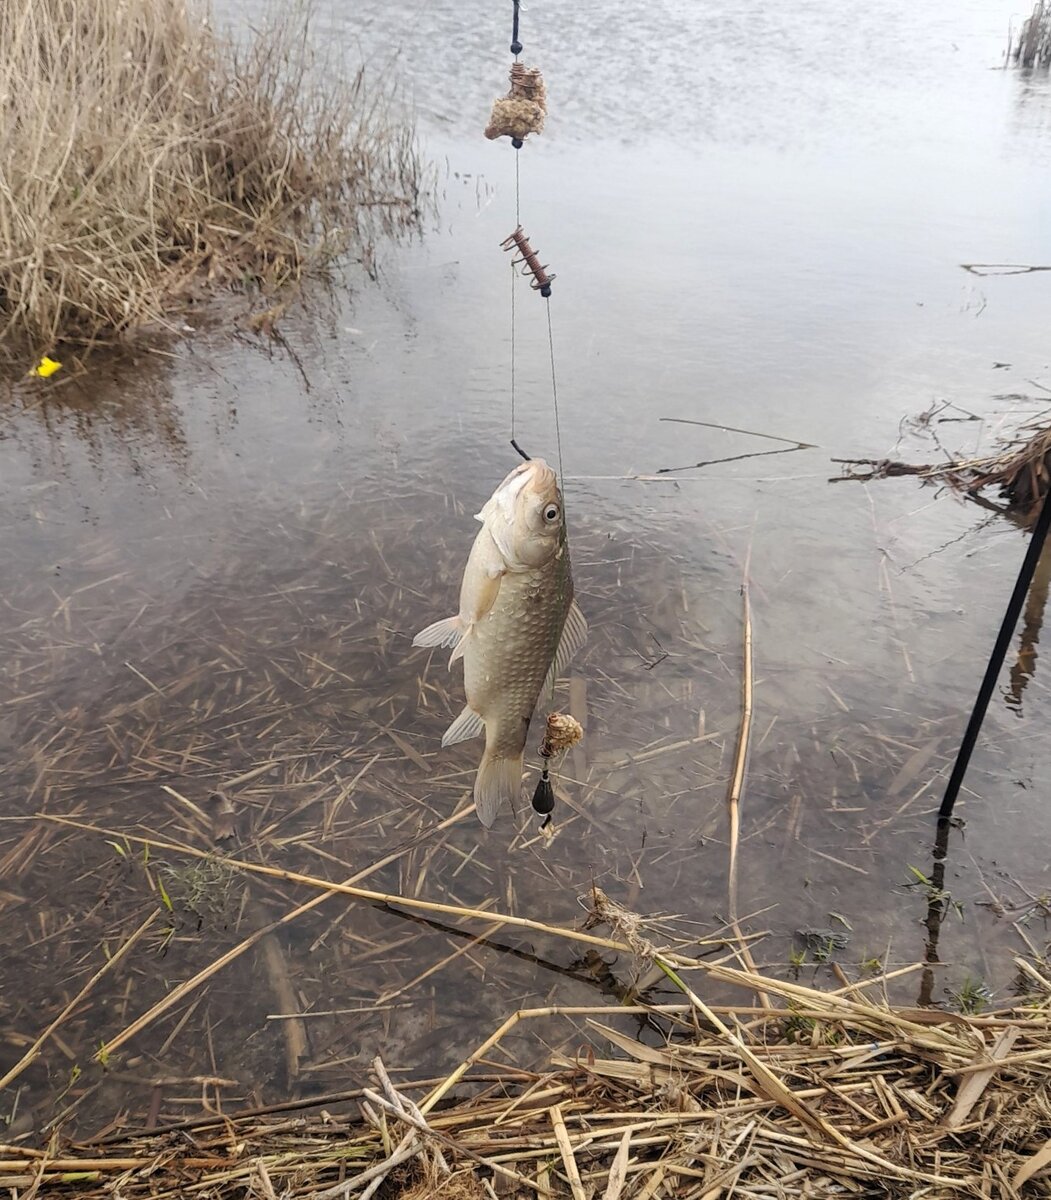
(1019, 469)
(144, 158)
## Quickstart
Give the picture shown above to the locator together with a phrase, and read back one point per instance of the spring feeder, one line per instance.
(522, 111)
(562, 732)
(541, 278)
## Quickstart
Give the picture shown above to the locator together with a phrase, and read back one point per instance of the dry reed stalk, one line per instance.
(565, 1148)
(1019, 470)
(669, 962)
(736, 787)
(190, 985)
(621, 1127)
(346, 889)
(733, 797)
(618, 1172)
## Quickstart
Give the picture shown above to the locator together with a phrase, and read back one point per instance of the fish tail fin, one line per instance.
(499, 781)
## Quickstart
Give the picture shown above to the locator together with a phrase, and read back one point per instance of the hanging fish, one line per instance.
(517, 628)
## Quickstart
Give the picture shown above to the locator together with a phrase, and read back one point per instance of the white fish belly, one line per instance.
(511, 650)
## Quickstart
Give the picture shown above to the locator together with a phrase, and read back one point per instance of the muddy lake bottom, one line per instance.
(258, 701)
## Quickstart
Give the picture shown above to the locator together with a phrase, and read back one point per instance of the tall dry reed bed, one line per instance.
(144, 157)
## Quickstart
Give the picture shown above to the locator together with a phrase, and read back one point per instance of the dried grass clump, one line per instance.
(143, 155)
(1019, 470)
(833, 1094)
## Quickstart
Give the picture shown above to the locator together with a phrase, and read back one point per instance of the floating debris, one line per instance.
(46, 368)
(1019, 471)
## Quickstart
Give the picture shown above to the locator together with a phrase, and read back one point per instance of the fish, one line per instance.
(517, 628)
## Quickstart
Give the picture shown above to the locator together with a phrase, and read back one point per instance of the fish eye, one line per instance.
(551, 514)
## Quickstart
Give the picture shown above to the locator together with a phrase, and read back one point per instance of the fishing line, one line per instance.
(522, 112)
(554, 400)
(527, 89)
(516, 49)
(514, 283)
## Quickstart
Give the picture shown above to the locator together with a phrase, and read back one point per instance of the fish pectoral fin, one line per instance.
(467, 725)
(480, 598)
(574, 635)
(447, 632)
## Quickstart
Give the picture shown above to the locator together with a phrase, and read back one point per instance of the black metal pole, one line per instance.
(996, 659)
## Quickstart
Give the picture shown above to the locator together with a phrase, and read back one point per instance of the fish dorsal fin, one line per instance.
(447, 632)
(574, 635)
(467, 725)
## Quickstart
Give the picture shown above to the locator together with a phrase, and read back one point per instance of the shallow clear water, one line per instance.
(213, 560)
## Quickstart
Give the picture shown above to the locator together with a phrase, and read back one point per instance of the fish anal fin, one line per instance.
(574, 635)
(467, 725)
(498, 782)
(447, 632)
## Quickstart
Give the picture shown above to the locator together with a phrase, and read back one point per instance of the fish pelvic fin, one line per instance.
(499, 782)
(467, 725)
(461, 645)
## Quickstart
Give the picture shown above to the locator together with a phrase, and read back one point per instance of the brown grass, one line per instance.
(1018, 470)
(823, 1094)
(144, 157)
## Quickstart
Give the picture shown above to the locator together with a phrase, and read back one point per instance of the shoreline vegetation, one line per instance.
(1032, 47)
(149, 161)
(816, 1093)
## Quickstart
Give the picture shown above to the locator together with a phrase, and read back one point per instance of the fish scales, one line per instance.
(515, 646)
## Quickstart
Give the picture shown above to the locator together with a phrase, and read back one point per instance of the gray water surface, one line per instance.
(214, 559)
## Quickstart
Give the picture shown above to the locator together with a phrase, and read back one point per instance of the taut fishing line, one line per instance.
(516, 115)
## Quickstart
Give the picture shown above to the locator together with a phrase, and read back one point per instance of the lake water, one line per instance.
(214, 559)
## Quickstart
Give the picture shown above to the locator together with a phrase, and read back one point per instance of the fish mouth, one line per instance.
(533, 476)
(542, 478)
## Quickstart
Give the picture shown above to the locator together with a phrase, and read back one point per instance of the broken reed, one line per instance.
(1019, 470)
(834, 1092)
(144, 158)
